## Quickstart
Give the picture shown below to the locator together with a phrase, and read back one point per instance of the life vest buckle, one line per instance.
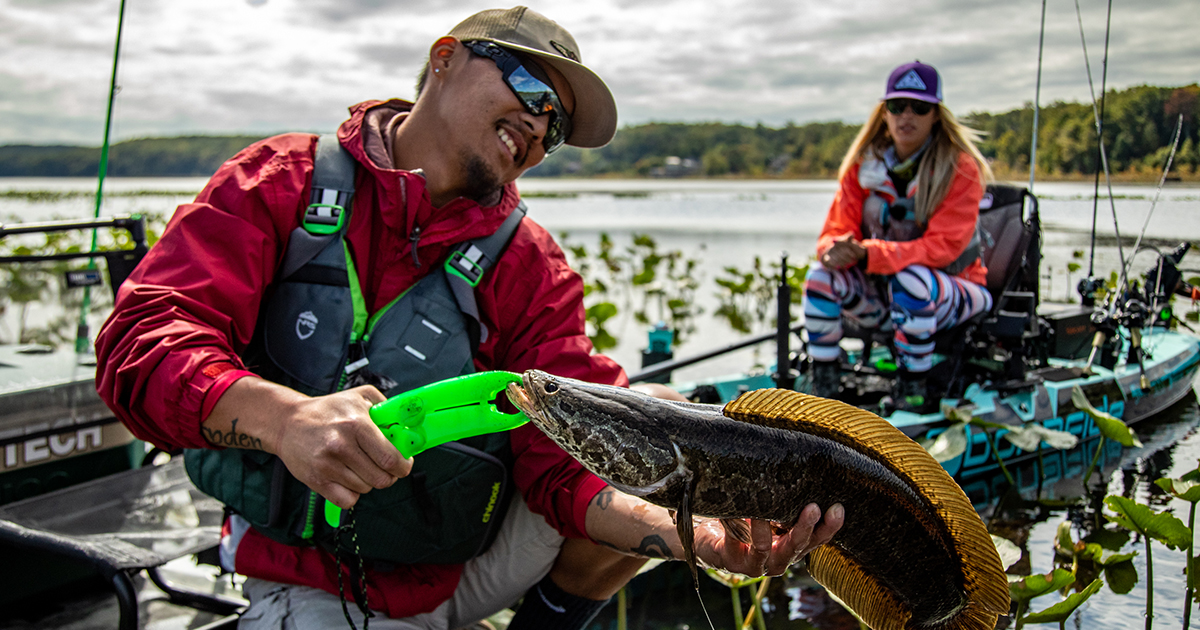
(460, 264)
(324, 218)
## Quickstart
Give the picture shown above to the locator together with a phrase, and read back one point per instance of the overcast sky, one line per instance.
(264, 66)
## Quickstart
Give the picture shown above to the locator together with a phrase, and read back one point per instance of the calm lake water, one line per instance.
(726, 224)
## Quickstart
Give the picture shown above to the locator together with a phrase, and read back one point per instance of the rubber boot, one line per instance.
(827, 379)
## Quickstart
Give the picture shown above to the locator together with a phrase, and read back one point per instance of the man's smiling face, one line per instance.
(488, 129)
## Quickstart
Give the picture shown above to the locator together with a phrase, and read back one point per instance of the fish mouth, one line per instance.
(520, 398)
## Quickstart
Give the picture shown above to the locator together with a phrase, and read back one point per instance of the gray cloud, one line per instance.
(188, 68)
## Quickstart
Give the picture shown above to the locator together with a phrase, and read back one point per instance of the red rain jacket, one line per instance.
(170, 348)
(949, 231)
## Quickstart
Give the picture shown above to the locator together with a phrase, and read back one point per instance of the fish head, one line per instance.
(612, 431)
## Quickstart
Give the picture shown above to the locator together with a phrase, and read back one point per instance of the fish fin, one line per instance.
(738, 528)
(873, 602)
(687, 532)
(867, 433)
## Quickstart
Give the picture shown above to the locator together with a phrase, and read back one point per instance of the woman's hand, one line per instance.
(845, 252)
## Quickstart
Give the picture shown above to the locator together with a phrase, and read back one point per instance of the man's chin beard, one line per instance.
(481, 182)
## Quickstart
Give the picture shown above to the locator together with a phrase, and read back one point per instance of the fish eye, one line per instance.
(550, 388)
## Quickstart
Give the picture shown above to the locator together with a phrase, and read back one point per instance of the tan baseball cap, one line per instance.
(522, 29)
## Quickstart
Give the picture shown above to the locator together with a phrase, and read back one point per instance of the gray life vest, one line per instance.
(314, 335)
(897, 222)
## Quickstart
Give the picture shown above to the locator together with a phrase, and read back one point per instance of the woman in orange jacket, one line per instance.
(899, 247)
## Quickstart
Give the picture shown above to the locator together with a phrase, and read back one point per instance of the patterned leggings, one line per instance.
(922, 301)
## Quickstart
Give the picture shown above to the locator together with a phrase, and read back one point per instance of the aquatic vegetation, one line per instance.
(1151, 525)
(1186, 488)
(735, 583)
(1110, 427)
(645, 284)
(1061, 611)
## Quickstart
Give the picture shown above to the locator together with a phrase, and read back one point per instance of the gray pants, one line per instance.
(522, 555)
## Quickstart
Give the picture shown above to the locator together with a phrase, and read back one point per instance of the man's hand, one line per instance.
(327, 442)
(845, 252)
(767, 554)
(631, 525)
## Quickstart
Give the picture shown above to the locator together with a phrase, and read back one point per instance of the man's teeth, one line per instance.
(512, 146)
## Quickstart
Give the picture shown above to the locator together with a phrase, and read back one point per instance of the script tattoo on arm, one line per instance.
(231, 438)
(604, 499)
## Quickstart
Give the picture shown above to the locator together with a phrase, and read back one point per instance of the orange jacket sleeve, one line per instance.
(845, 213)
(949, 231)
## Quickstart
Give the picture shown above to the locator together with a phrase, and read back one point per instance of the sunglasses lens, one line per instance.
(534, 90)
(897, 106)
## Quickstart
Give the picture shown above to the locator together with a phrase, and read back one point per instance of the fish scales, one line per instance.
(911, 553)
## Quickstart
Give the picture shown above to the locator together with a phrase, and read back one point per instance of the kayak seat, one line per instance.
(122, 524)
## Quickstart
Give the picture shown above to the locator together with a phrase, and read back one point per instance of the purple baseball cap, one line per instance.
(915, 80)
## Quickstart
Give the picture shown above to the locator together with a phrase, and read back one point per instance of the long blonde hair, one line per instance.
(950, 138)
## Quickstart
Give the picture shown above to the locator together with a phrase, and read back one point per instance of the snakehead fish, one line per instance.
(911, 552)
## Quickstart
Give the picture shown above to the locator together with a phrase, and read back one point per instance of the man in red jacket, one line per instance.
(196, 328)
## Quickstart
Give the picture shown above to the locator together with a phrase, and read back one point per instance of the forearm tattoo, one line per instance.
(231, 438)
(604, 499)
(654, 546)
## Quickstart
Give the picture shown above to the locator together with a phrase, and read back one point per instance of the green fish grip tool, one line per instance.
(441, 412)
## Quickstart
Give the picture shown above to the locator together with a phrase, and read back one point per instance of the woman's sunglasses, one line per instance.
(897, 106)
(533, 88)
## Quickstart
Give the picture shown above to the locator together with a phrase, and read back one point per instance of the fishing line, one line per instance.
(1096, 115)
(1037, 96)
(1161, 181)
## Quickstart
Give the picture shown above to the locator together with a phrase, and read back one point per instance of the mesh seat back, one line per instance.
(1006, 236)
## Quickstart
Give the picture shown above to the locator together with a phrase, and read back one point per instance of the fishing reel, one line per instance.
(1165, 279)
(1088, 289)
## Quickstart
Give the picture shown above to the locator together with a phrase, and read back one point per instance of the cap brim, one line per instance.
(916, 96)
(594, 121)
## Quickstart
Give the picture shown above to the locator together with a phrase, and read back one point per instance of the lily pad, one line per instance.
(1110, 539)
(1182, 488)
(1037, 585)
(1096, 554)
(1028, 438)
(1109, 425)
(1139, 518)
(948, 444)
(1064, 609)
(1121, 576)
(1010, 554)
(1064, 543)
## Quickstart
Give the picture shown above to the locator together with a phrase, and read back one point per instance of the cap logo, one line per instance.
(910, 81)
(564, 51)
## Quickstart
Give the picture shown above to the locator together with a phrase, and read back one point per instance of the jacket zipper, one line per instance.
(414, 239)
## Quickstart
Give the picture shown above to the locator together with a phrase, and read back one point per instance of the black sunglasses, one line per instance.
(898, 105)
(533, 88)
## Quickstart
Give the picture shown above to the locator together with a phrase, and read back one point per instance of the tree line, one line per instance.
(1139, 124)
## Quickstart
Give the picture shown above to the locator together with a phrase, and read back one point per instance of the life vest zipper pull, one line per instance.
(413, 240)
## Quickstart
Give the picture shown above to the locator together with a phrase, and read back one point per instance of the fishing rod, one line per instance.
(1037, 96)
(1105, 322)
(1161, 181)
(1098, 116)
(1099, 130)
(81, 332)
